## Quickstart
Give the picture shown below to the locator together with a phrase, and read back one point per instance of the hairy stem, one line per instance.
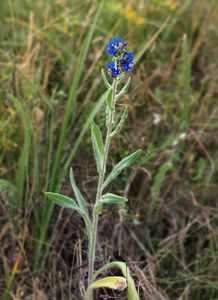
(100, 185)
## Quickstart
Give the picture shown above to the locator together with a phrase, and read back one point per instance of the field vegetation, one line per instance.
(51, 56)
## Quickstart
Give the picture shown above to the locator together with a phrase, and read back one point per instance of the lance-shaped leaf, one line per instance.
(79, 197)
(109, 106)
(124, 163)
(109, 100)
(67, 202)
(124, 89)
(98, 146)
(119, 126)
(131, 289)
(112, 198)
(62, 200)
(106, 82)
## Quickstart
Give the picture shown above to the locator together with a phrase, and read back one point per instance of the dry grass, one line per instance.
(168, 233)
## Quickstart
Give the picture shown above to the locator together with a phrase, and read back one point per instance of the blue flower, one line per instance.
(129, 56)
(126, 67)
(113, 71)
(124, 59)
(113, 45)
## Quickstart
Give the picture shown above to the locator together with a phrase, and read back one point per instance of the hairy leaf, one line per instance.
(106, 82)
(124, 163)
(124, 89)
(111, 198)
(119, 126)
(109, 99)
(98, 146)
(62, 200)
(79, 197)
(67, 202)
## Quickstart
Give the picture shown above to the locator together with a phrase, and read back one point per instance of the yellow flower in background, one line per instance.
(131, 15)
(127, 11)
(11, 111)
(171, 4)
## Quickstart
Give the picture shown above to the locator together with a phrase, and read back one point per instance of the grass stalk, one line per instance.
(47, 212)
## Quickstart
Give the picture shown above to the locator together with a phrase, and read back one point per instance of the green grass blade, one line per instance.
(10, 189)
(22, 169)
(186, 82)
(156, 187)
(67, 115)
(150, 42)
(99, 105)
(78, 141)
(73, 92)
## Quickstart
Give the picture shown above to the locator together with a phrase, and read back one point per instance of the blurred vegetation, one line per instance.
(51, 54)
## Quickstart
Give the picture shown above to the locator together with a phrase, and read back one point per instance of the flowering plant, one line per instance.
(121, 64)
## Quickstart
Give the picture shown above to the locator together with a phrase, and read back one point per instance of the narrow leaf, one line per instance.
(148, 44)
(98, 146)
(107, 84)
(112, 282)
(67, 202)
(7, 187)
(79, 140)
(186, 81)
(62, 200)
(22, 167)
(157, 185)
(124, 89)
(109, 106)
(79, 197)
(109, 99)
(123, 117)
(124, 163)
(111, 198)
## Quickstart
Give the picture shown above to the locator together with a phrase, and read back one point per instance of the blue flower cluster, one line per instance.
(123, 59)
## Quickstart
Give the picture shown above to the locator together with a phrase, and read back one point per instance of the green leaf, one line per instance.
(124, 163)
(62, 200)
(123, 117)
(109, 99)
(147, 45)
(186, 82)
(98, 146)
(79, 197)
(67, 202)
(107, 84)
(79, 69)
(157, 185)
(7, 187)
(131, 289)
(111, 198)
(109, 106)
(22, 166)
(124, 89)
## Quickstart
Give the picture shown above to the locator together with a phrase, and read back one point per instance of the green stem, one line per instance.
(100, 186)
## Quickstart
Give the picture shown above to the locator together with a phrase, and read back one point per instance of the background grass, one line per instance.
(51, 54)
